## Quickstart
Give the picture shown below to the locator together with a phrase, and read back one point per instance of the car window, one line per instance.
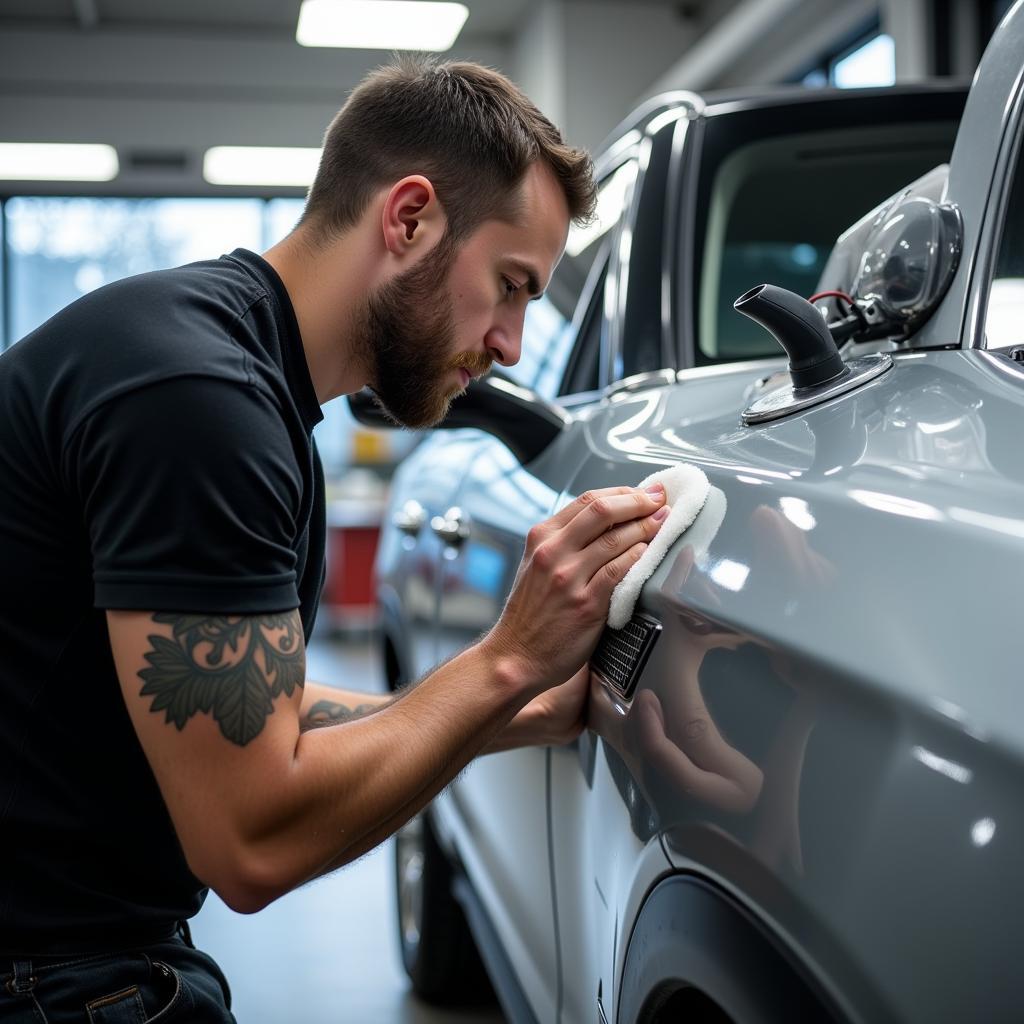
(1004, 321)
(775, 206)
(643, 344)
(552, 324)
(583, 372)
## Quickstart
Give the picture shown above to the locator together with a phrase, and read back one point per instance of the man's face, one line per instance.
(443, 321)
(409, 332)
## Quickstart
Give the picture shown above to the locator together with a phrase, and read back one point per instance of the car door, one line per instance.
(499, 805)
(590, 850)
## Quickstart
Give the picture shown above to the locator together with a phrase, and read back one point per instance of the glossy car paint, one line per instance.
(836, 656)
(824, 655)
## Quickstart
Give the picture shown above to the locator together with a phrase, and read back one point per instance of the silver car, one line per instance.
(798, 797)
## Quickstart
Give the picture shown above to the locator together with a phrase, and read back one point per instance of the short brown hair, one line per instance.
(467, 128)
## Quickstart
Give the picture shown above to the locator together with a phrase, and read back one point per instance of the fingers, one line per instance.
(622, 500)
(614, 542)
(605, 511)
(609, 575)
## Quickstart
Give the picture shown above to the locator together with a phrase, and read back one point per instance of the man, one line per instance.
(162, 533)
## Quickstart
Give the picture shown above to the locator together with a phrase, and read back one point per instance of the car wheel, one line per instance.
(436, 945)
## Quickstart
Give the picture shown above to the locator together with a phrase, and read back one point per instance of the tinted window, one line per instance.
(770, 209)
(583, 372)
(644, 344)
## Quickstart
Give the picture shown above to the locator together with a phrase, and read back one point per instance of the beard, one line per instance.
(406, 334)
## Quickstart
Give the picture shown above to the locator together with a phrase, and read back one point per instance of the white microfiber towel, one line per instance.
(686, 490)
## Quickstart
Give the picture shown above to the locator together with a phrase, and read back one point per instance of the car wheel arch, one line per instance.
(693, 944)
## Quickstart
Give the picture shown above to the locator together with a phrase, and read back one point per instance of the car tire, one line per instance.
(435, 942)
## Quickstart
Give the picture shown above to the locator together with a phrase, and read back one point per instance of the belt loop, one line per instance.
(23, 980)
(186, 933)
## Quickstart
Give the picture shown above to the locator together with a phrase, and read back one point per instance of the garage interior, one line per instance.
(163, 84)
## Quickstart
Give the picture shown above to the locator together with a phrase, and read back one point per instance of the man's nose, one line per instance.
(504, 343)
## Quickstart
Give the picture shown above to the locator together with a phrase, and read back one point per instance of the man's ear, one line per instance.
(412, 219)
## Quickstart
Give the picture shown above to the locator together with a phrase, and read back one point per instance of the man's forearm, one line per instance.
(324, 705)
(529, 727)
(329, 705)
(350, 785)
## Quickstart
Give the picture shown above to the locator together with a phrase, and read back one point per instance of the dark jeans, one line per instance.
(165, 982)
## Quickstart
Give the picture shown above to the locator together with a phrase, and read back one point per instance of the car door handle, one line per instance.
(452, 527)
(410, 518)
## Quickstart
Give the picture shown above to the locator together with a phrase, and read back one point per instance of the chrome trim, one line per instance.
(528, 397)
(631, 653)
(623, 150)
(410, 517)
(629, 129)
(452, 527)
(786, 400)
(614, 285)
(1009, 165)
(689, 373)
(622, 259)
(670, 242)
(639, 382)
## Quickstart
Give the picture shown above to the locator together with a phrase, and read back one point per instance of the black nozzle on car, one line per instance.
(799, 328)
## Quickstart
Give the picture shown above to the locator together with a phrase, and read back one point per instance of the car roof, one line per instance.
(728, 101)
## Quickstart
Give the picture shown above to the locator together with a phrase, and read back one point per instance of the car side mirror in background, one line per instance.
(897, 262)
(910, 256)
(517, 416)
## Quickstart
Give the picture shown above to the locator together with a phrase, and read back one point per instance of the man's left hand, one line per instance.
(555, 717)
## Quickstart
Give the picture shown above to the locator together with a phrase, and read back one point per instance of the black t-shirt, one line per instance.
(155, 454)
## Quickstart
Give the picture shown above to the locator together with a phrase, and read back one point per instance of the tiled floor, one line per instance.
(327, 953)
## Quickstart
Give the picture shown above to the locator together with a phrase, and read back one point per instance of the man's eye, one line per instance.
(510, 287)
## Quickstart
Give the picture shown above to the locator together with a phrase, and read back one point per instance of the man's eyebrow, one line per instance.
(532, 278)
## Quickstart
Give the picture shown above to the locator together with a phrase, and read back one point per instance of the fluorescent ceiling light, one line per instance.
(51, 161)
(381, 24)
(260, 165)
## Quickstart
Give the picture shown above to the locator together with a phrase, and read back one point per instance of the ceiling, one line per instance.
(164, 80)
(262, 17)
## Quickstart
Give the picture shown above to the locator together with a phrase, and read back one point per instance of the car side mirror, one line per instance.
(517, 416)
(910, 256)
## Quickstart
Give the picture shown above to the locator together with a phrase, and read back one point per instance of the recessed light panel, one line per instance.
(57, 161)
(381, 24)
(260, 165)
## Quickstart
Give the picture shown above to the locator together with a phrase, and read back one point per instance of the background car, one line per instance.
(796, 798)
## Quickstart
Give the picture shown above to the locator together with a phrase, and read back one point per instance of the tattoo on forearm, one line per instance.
(230, 666)
(327, 712)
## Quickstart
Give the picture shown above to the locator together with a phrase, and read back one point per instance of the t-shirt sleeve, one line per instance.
(191, 494)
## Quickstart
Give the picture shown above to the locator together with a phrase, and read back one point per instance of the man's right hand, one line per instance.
(573, 562)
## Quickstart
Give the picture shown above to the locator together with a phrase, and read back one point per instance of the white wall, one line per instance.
(537, 58)
(586, 62)
(614, 53)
